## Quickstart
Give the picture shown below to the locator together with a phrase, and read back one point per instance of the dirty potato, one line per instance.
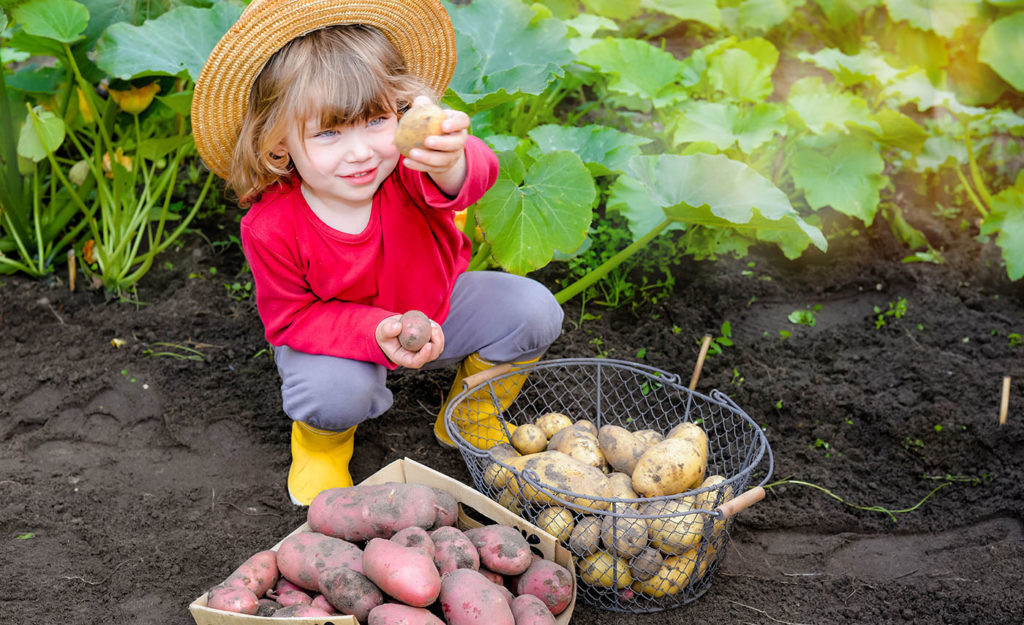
(416, 125)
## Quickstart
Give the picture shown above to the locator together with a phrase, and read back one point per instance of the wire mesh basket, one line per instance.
(633, 554)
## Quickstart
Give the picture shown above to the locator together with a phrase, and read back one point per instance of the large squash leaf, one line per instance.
(60, 20)
(1002, 48)
(847, 177)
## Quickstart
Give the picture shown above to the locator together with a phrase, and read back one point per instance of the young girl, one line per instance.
(297, 108)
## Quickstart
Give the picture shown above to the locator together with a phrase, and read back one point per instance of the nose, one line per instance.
(357, 148)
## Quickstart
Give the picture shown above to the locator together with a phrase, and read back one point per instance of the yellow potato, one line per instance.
(579, 444)
(587, 425)
(621, 448)
(417, 124)
(510, 499)
(710, 500)
(495, 474)
(693, 433)
(672, 466)
(620, 487)
(624, 536)
(552, 422)
(673, 576)
(649, 437)
(647, 564)
(529, 439)
(556, 469)
(557, 521)
(677, 532)
(604, 570)
(586, 536)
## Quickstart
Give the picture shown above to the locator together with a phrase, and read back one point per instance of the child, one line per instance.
(296, 108)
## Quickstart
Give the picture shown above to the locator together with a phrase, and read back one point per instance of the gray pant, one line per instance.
(504, 317)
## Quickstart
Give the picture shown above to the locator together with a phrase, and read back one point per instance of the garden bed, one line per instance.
(134, 477)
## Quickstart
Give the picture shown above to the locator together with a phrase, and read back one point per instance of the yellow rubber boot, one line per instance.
(476, 416)
(319, 461)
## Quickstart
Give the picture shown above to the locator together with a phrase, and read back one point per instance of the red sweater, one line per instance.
(321, 291)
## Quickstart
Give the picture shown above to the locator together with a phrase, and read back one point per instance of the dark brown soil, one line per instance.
(132, 480)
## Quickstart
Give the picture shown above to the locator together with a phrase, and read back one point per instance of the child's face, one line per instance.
(343, 167)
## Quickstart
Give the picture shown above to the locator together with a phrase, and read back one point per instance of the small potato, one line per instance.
(406, 574)
(672, 466)
(495, 474)
(529, 439)
(624, 536)
(502, 548)
(530, 610)
(469, 598)
(510, 499)
(605, 570)
(417, 124)
(620, 487)
(415, 330)
(259, 573)
(621, 448)
(673, 576)
(415, 538)
(398, 614)
(453, 550)
(553, 422)
(350, 592)
(585, 539)
(447, 509)
(237, 599)
(580, 444)
(587, 425)
(679, 529)
(713, 498)
(646, 565)
(557, 521)
(550, 582)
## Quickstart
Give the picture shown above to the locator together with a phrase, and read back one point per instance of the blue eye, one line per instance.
(377, 121)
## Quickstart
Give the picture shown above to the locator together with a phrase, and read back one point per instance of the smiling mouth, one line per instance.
(361, 175)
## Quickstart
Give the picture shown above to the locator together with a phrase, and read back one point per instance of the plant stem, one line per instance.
(892, 513)
(973, 162)
(480, 258)
(971, 194)
(600, 272)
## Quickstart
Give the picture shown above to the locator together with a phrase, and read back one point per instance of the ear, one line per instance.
(279, 152)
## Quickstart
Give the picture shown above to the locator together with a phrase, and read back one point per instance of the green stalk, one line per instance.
(480, 258)
(597, 274)
(12, 190)
(892, 513)
(979, 182)
(971, 194)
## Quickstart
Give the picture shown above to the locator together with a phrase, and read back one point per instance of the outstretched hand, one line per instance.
(387, 337)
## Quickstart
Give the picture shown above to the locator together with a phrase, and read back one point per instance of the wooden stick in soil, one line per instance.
(700, 361)
(71, 270)
(1004, 405)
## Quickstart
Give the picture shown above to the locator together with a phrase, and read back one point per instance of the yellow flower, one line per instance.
(136, 99)
(83, 105)
(125, 161)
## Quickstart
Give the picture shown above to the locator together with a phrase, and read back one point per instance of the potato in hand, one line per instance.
(416, 125)
(415, 330)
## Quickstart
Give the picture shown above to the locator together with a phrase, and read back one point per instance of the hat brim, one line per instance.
(420, 29)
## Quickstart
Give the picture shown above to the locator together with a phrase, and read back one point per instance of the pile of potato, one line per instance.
(620, 542)
(390, 554)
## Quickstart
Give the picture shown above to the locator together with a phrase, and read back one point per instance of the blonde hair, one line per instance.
(336, 76)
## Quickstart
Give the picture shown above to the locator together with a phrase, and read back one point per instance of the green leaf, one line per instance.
(621, 61)
(704, 11)
(25, 536)
(527, 216)
(866, 66)
(60, 20)
(603, 149)
(725, 124)
(939, 152)
(710, 190)
(915, 87)
(157, 148)
(840, 13)
(180, 102)
(178, 42)
(1006, 220)
(35, 145)
(764, 15)
(847, 177)
(1002, 48)
(620, 10)
(744, 71)
(822, 110)
(900, 131)
(943, 17)
(487, 64)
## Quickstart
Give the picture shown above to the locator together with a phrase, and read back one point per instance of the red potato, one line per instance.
(415, 330)
(550, 582)
(350, 592)
(301, 557)
(502, 548)
(293, 597)
(447, 509)
(497, 578)
(267, 607)
(283, 585)
(237, 599)
(469, 598)
(362, 512)
(300, 609)
(398, 614)
(453, 550)
(259, 573)
(505, 592)
(321, 602)
(406, 574)
(415, 538)
(529, 610)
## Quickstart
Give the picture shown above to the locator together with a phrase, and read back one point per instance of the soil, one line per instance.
(132, 477)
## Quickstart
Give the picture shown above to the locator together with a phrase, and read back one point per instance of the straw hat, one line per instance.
(420, 29)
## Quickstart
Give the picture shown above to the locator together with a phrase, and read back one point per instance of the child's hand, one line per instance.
(387, 337)
(443, 157)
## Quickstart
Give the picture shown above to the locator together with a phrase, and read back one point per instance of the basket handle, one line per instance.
(487, 374)
(737, 504)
